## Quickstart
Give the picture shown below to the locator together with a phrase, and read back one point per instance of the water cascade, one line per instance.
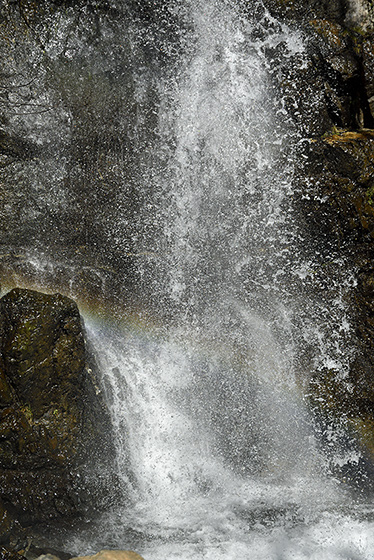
(218, 454)
(216, 448)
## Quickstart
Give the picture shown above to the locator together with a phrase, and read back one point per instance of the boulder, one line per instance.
(112, 555)
(55, 433)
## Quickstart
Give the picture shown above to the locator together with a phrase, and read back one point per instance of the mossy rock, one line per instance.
(43, 348)
(55, 430)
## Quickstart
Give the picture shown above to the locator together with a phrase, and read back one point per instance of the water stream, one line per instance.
(216, 447)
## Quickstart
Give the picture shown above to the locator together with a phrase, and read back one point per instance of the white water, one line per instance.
(173, 403)
(216, 448)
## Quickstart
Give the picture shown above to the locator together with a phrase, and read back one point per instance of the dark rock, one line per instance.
(6, 554)
(16, 147)
(330, 97)
(55, 443)
(368, 68)
(333, 84)
(339, 175)
(339, 216)
(7, 524)
(339, 11)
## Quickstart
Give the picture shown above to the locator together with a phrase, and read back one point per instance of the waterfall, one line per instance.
(217, 452)
(218, 455)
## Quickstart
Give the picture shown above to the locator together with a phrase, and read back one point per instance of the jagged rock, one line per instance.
(55, 444)
(332, 84)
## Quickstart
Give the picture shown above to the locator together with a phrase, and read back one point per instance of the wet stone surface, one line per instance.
(55, 445)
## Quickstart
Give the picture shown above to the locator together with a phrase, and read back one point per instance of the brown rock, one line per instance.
(54, 427)
(112, 555)
(6, 554)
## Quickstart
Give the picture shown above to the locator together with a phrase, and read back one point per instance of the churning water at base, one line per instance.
(207, 474)
(216, 450)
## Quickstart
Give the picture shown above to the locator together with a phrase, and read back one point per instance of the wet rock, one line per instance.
(16, 147)
(48, 557)
(7, 524)
(329, 94)
(32, 552)
(339, 214)
(340, 179)
(6, 554)
(354, 12)
(339, 176)
(334, 73)
(55, 442)
(112, 555)
(368, 68)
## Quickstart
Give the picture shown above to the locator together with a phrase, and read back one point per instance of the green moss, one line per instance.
(28, 413)
(334, 132)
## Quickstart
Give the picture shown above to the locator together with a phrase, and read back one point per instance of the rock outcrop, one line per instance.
(338, 174)
(332, 83)
(55, 438)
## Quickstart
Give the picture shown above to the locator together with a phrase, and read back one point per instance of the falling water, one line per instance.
(217, 453)
(216, 450)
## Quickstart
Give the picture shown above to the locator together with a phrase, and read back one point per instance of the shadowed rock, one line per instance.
(55, 443)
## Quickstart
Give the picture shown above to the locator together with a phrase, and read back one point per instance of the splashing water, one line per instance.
(216, 450)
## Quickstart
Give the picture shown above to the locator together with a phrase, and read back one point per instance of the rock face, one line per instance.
(69, 161)
(55, 443)
(329, 96)
(336, 186)
(339, 209)
(332, 85)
